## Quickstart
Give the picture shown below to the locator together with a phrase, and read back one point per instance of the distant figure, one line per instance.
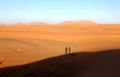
(69, 48)
(66, 50)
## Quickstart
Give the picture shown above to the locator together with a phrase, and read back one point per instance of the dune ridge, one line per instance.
(85, 64)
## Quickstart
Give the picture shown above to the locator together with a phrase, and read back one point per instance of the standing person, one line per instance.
(66, 50)
(69, 48)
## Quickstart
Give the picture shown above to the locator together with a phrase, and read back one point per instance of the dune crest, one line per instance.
(85, 64)
(45, 23)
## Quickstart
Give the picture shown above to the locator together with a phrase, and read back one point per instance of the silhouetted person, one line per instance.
(66, 50)
(69, 49)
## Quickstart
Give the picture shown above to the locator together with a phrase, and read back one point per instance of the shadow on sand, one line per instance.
(85, 64)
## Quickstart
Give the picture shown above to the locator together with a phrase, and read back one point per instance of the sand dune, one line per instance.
(83, 22)
(85, 64)
(21, 44)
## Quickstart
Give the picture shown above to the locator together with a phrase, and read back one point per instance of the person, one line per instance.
(66, 50)
(69, 48)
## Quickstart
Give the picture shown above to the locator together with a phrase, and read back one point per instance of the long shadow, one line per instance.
(84, 64)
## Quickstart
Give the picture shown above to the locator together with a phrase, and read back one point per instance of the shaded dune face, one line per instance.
(85, 64)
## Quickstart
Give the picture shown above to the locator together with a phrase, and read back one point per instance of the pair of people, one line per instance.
(67, 50)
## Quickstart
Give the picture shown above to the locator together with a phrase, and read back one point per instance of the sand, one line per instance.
(26, 43)
(83, 64)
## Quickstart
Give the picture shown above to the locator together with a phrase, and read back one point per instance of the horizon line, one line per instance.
(62, 22)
